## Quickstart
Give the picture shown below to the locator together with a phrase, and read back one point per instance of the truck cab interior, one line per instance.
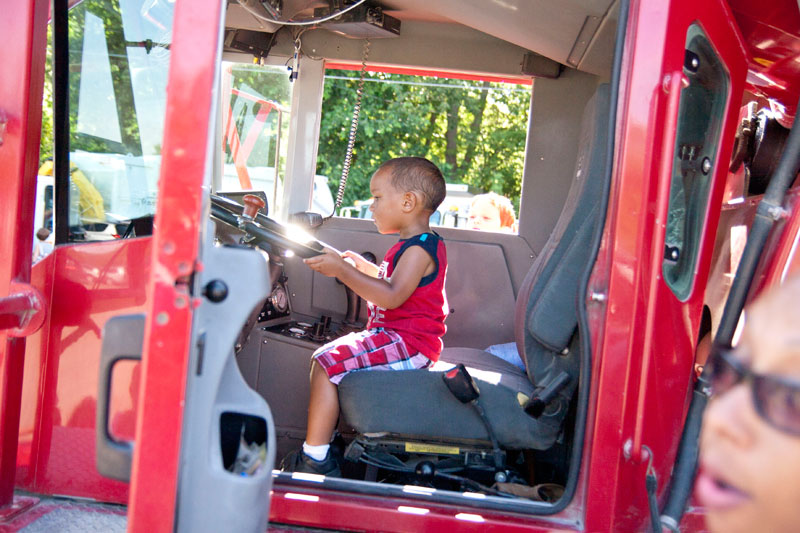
(505, 432)
(515, 441)
(307, 98)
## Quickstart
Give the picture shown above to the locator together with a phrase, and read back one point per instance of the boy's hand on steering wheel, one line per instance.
(331, 263)
(362, 265)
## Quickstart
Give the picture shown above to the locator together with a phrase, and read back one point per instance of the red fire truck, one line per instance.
(154, 365)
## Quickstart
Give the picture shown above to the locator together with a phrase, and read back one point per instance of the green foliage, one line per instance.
(46, 140)
(474, 131)
(111, 17)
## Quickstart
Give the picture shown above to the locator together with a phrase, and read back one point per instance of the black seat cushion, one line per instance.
(417, 404)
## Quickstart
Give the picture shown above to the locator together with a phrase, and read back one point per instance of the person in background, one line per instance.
(492, 212)
(43, 244)
(750, 440)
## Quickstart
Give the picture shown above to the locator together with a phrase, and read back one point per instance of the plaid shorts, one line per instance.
(372, 349)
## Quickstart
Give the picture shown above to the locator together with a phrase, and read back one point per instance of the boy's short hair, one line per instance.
(417, 174)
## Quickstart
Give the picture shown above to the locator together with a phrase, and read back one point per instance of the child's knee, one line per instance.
(320, 375)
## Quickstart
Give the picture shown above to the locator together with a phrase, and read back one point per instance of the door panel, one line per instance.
(188, 357)
(90, 284)
(648, 339)
(23, 25)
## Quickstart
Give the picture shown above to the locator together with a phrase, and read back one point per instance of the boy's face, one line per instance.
(749, 468)
(484, 216)
(387, 203)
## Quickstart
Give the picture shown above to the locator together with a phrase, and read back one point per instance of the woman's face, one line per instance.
(749, 477)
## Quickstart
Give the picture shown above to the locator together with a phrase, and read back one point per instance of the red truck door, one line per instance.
(21, 306)
(682, 83)
(129, 277)
(196, 414)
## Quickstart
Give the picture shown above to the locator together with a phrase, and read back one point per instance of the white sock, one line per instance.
(318, 453)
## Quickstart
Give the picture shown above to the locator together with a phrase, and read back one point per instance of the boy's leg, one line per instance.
(323, 413)
(323, 407)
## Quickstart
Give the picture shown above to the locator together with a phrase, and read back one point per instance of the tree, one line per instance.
(474, 131)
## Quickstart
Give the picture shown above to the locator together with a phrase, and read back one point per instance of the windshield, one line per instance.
(474, 130)
(119, 59)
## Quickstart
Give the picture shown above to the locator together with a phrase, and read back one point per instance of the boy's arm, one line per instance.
(414, 264)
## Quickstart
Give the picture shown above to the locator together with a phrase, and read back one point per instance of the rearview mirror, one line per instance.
(306, 219)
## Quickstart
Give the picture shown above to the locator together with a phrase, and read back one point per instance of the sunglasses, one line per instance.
(776, 398)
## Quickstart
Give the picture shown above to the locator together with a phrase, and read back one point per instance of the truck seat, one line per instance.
(416, 404)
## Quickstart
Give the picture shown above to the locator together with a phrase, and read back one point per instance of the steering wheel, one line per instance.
(263, 231)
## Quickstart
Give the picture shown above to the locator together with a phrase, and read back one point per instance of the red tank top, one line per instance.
(420, 319)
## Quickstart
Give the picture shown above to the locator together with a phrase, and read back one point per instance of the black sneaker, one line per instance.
(298, 461)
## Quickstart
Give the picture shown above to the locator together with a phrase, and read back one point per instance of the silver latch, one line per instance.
(598, 297)
(3, 122)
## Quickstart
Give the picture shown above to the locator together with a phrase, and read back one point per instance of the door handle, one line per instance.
(123, 337)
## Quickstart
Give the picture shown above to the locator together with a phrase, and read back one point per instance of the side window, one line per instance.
(119, 57)
(473, 129)
(255, 127)
(702, 106)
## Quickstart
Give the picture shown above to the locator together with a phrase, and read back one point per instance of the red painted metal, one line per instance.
(88, 284)
(435, 73)
(643, 338)
(21, 83)
(316, 508)
(673, 84)
(178, 222)
(772, 33)
(32, 387)
(655, 49)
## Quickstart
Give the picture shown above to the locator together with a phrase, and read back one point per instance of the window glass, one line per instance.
(474, 130)
(255, 128)
(119, 58)
(702, 106)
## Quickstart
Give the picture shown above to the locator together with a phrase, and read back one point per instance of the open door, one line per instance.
(135, 96)
(679, 100)
(21, 306)
(204, 442)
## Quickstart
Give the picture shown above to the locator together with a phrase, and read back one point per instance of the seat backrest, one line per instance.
(546, 315)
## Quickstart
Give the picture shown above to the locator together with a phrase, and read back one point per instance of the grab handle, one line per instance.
(673, 84)
(123, 337)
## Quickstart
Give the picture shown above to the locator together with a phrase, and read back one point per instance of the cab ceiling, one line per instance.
(575, 33)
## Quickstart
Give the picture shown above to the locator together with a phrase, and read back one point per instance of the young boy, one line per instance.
(492, 212)
(407, 303)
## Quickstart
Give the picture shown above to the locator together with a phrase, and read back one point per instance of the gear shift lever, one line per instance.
(354, 301)
(353, 307)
